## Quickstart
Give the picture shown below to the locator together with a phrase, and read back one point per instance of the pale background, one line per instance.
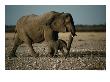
(48, 75)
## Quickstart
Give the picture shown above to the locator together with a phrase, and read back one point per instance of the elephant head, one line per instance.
(62, 22)
(69, 24)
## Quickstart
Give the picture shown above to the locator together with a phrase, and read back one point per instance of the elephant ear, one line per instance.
(57, 22)
(52, 19)
(49, 22)
(68, 18)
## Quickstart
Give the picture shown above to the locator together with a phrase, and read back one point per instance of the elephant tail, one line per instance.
(14, 34)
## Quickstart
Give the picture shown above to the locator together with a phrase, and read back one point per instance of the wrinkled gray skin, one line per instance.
(37, 28)
(57, 45)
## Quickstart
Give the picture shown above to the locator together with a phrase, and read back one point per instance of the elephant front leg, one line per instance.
(69, 45)
(51, 51)
(29, 43)
(53, 48)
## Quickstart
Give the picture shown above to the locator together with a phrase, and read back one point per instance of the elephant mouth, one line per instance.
(66, 30)
(72, 32)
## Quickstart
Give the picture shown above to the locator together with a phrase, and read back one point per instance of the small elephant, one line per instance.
(37, 28)
(61, 44)
(55, 46)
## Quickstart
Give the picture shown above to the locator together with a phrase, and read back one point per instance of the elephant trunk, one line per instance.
(72, 30)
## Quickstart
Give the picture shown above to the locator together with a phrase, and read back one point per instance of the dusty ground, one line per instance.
(88, 51)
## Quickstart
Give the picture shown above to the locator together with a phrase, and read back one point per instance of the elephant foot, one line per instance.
(12, 55)
(55, 56)
(66, 55)
(51, 55)
(35, 55)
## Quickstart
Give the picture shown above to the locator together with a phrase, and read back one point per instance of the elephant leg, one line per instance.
(51, 51)
(53, 48)
(48, 36)
(29, 43)
(17, 42)
(34, 54)
(56, 50)
(62, 51)
(69, 45)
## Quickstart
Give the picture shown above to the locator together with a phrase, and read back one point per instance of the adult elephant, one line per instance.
(37, 28)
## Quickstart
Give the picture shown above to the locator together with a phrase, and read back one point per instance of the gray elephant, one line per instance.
(57, 45)
(37, 28)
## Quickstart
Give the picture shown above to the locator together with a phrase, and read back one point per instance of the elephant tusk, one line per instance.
(74, 35)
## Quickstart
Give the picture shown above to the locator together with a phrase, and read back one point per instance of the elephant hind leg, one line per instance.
(17, 42)
(29, 43)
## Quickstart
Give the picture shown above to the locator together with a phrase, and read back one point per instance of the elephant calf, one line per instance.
(54, 46)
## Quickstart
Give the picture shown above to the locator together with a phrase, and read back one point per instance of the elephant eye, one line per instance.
(55, 23)
(67, 20)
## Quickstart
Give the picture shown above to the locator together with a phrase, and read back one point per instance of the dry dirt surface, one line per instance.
(88, 52)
